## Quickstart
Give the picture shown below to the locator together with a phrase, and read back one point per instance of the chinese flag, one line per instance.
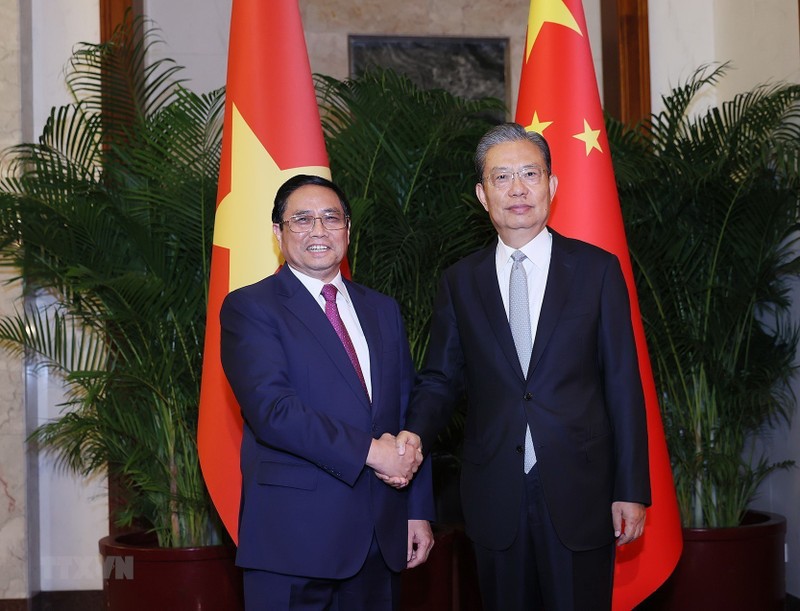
(272, 131)
(558, 97)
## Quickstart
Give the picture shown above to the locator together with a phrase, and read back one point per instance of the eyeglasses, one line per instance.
(531, 175)
(302, 223)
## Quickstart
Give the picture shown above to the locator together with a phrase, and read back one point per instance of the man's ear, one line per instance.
(553, 185)
(481, 195)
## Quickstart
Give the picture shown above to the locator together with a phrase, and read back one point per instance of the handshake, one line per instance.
(395, 460)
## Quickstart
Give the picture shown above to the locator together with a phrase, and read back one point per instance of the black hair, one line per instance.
(301, 180)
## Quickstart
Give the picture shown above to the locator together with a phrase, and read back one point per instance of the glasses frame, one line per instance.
(518, 174)
(314, 223)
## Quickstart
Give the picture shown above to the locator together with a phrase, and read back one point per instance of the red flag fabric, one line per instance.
(558, 97)
(272, 131)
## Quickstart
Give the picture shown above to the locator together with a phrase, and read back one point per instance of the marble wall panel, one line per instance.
(469, 67)
(13, 501)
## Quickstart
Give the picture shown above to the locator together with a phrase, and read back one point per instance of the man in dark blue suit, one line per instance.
(536, 331)
(321, 369)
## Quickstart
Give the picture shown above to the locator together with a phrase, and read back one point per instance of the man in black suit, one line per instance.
(536, 330)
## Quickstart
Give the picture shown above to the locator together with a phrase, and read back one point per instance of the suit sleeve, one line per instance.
(441, 381)
(624, 396)
(420, 494)
(255, 360)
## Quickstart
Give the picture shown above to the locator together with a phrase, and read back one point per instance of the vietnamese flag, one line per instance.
(272, 131)
(558, 97)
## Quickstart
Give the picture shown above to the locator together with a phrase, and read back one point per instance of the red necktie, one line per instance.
(332, 312)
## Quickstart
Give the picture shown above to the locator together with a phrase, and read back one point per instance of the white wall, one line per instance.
(73, 512)
(55, 28)
(681, 39)
(759, 37)
(202, 47)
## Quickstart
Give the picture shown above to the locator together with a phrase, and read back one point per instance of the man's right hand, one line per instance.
(391, 461)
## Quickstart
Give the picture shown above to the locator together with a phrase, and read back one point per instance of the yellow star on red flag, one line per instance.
(243, 223)
(548, 11)
(536, 125)
(589, 137)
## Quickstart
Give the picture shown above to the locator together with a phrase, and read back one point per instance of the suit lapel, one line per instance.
(369, 321)
(300, 303)
(559, 281)
(489, 292)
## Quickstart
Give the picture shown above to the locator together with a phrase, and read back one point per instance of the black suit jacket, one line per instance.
(582, 397)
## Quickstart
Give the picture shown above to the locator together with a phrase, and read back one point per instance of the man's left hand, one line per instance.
(628, 521)
(420, 542)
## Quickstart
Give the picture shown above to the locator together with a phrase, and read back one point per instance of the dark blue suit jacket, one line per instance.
(309, 505)
(582, 396)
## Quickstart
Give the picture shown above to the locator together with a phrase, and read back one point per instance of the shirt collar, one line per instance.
(537, 250)
(314, 286)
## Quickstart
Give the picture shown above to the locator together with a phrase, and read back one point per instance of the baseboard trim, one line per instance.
(68, 600)
(92, 600)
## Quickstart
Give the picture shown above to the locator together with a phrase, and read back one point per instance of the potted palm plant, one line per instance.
(710, 201)
(108, 216)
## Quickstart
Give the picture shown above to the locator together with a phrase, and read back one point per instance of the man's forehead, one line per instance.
(519, 153)
(318, 199)
(302, 207)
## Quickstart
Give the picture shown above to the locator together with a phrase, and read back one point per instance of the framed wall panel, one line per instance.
(468, 67)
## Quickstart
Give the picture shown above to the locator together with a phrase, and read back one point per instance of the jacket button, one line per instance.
(527, 396)
(519, 449)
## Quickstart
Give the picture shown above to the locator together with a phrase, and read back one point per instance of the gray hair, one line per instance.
(508, 132)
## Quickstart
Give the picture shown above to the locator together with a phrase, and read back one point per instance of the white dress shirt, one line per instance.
(536, 265)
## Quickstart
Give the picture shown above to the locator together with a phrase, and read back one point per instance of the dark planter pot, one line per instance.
(139, 575)
(736, 569)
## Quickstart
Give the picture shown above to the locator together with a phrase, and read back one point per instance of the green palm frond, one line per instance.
(711, 206)
(49, 336)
